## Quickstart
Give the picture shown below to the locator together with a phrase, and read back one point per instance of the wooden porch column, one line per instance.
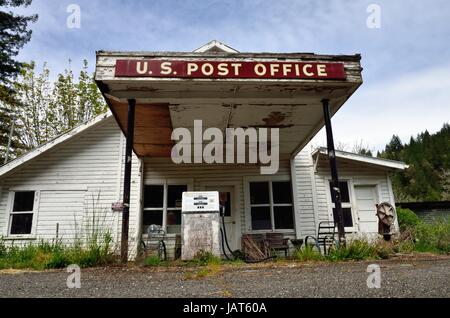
(335, 192)
(127, 181)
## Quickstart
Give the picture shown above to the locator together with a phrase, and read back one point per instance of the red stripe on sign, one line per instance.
(229, 69)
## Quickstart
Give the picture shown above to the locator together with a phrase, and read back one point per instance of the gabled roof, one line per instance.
(52, 143)
(215, 46)
(391, 164)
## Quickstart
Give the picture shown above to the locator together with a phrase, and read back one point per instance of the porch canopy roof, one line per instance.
(172, 93)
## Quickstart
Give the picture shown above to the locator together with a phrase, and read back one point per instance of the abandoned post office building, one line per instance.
(120, 167)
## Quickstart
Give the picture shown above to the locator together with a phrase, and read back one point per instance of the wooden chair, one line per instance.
(277, 242)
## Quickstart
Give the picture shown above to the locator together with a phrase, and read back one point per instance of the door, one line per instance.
(227, 199)
(366, 199)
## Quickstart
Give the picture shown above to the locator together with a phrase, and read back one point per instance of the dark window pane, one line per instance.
(152, 217)
(282, 192)
(348, 222)
(343, 187)
(174, 221)
(224, 198)
(21, 223)
(259, 192)
(283, 216)
(261, 218)
(174, 217)
(174, 195)
(23, 201)
(153, 196)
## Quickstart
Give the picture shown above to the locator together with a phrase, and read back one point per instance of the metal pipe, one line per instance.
(127, 181)
(335, 192)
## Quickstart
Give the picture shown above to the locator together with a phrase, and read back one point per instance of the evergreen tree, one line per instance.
(14, 34)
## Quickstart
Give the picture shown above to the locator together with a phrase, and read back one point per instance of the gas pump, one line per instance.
(200, 224)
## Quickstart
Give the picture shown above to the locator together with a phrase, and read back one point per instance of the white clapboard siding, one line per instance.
(80, 175)
(63, 208)
(305, 194)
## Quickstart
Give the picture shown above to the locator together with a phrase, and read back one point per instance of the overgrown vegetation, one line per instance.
(355, 249)
(417, 235)
(361, 249)
(46, 255)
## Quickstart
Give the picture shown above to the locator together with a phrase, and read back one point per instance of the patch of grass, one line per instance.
(354, 250)
(308, 253)
(357, 249)
(203, 272)
(233, 262)
(152, 260)
(46, 255)
(209, 270)
(204, 258)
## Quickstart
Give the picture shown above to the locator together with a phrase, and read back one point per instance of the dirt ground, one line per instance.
(400, 277)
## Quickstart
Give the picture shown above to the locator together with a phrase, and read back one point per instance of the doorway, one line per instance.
(227, 198)
(366, 200)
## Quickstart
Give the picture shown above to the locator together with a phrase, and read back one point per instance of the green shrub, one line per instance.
(433, 237)
(308, 253)
(407, 219)
(152, 260)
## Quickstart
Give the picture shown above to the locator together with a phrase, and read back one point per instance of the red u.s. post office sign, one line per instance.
(229, 69)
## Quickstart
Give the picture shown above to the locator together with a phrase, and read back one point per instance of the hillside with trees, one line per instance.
(428, 177)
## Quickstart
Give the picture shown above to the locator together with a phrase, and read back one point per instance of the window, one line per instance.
(162, 206)
(346, 204)
(21, 218)
(271, 205)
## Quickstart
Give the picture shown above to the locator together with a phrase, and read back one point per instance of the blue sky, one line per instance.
(406, 62)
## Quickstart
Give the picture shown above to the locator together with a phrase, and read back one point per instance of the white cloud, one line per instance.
(405, 106)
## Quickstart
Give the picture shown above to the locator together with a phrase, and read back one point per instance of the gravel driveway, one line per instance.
(399, 278)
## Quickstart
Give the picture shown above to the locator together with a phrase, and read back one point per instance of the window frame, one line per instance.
(345, 205)
(271, 204)
(11, 213)
(165, 183)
